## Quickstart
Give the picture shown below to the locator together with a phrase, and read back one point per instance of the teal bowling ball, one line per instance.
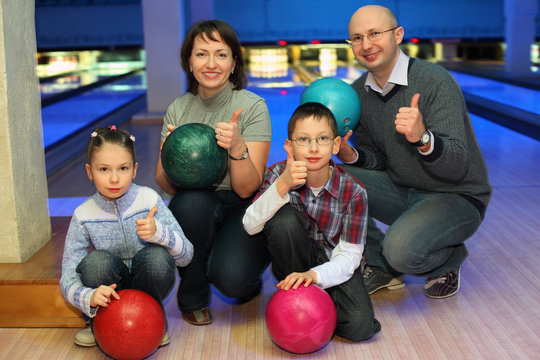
(192, 158)
(339, 97)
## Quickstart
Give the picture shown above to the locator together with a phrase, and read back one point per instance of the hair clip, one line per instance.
(112, 127)
(132, 138)
(94, 134)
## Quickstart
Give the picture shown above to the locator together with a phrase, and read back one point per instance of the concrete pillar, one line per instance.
(163, 27)
(520, 31)
(24, 221)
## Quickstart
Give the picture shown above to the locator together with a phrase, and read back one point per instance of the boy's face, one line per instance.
(316, 156)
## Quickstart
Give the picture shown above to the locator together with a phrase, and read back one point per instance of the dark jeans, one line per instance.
(152, 271)
(224, 254)
(292, 250)
(427, 230)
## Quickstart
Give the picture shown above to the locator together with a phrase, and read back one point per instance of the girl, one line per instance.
(136, 242)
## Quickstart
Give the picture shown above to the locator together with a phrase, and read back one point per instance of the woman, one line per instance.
(225, 254)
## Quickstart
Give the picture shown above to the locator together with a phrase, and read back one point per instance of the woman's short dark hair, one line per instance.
(228, 35)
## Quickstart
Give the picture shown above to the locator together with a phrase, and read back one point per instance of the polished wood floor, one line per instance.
(496, 314)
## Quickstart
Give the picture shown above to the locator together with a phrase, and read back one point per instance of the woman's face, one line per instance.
(212, 63)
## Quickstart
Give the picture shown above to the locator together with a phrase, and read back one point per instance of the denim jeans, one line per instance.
(152, 271)
(292, 250)
(224, 254)
(426, 232)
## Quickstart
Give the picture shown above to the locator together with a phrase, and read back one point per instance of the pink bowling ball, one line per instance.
(301, 321)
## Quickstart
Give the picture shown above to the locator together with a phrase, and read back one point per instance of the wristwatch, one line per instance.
(424, 139)
(244, 155)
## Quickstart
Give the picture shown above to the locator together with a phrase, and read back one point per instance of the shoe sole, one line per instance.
(394, 284)
(84, 344)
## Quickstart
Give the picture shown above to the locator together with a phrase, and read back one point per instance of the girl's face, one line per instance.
(212, 63)
(112, 170)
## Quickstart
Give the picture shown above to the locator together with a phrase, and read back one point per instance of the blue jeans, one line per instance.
(224, 254)
(426, 232)
(152, 271)
(292, 250)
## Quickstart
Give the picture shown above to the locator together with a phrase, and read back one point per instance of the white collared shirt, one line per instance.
(397, 77)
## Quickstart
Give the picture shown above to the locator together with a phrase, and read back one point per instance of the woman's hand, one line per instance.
(228, 135)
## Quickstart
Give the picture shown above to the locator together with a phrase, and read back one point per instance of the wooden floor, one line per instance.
(496, 314)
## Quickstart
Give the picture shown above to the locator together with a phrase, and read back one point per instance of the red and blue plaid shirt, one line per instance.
(338, 212)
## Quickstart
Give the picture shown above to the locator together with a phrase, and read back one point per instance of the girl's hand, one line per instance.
(146, 228)
(228, 135)
(295, 279)
(102, 296)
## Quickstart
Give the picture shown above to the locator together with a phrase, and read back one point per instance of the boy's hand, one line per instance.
(146, 228)
(296, 171)
(102, 296)
(295, 279)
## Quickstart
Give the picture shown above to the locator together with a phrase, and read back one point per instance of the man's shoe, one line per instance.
(375, 280)
(165, 340)
(442, 286)
(198, 317)
(85, 337)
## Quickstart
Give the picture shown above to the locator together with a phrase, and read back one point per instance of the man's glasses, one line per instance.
(306, 141)
(372, 36)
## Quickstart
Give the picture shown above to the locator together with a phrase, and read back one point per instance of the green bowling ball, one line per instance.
(192, 158)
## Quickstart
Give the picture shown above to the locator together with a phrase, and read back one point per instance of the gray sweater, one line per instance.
(456, 164)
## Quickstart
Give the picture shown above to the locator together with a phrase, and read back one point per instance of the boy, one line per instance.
(314, 217)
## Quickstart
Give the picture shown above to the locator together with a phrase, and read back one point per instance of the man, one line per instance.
(417, 155)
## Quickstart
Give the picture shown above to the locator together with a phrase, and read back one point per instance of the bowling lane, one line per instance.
(69, 116)
(55, 86)
(499, 92)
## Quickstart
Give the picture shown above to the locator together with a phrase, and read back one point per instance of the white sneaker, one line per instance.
(85, 337)
(166, 340)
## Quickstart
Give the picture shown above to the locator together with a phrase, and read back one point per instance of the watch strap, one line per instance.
(242, 157)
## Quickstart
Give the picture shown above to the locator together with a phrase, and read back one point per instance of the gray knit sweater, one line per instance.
(456, 164)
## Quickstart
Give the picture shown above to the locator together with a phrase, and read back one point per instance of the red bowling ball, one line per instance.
(301, 321)
(130, 328)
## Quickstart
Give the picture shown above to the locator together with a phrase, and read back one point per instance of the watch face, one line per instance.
(425, 138)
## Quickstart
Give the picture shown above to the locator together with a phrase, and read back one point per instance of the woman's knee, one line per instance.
(193, 203)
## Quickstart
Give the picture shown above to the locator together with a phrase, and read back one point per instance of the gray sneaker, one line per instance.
(85, 337)
(442, 286)
(375, 280)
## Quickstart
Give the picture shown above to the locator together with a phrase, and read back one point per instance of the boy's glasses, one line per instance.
(372, 36)
(306, 141)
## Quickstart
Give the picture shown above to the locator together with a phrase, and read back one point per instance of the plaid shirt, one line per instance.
(338, 212)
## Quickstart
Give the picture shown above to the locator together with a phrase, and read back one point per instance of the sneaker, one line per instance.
(85, 337)
(442, 286)
(166, 339)
(375, 280)
(198, 317)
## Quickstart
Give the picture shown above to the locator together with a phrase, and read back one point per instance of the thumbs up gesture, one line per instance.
(295, 173)
(228, 134)
(146, 228)
(409, 121)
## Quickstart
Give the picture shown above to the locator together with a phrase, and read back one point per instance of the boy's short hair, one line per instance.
(318, 111)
